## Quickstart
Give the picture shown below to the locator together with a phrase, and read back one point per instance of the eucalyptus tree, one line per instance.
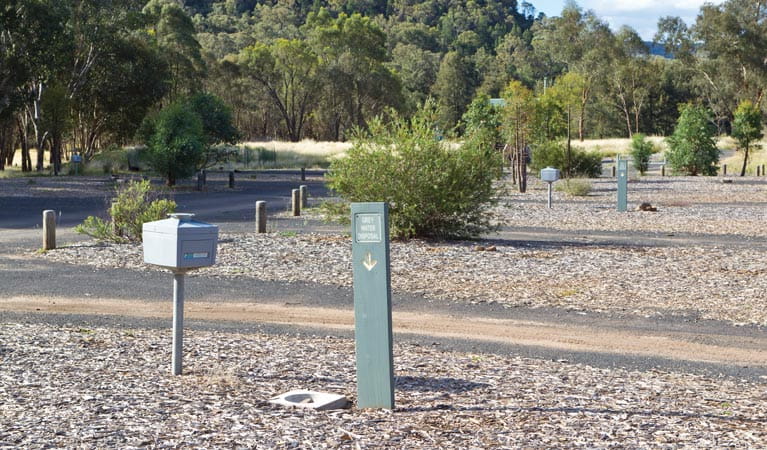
(172, 31)
(579, 42)
(356, 81)
(287, 71)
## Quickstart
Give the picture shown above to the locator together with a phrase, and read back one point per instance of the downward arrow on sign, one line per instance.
(369, 262)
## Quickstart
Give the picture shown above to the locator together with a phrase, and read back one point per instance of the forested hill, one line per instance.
(84, 73)
(376, 54)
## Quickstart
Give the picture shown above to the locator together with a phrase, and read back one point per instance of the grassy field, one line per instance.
(312, 154)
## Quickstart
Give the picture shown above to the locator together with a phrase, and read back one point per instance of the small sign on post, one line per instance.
(623, 179)
(372, 305)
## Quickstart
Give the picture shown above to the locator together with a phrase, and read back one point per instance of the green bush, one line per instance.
(131, 208)
(554, 154)
(574, 187)
(433, 190)
(641, 150)
(175, 142)
(692, 148)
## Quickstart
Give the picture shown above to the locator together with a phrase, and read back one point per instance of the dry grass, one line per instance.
(306, 147)
(616, 146)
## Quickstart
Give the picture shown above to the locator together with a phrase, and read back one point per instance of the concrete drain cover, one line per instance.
(320, 401)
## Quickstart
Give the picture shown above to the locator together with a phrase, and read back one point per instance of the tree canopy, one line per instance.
(77, 76)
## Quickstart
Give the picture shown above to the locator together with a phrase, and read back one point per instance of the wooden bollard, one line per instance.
(231, 179)
(613, 171)
(303, 192)
(49, 229)
(296, 202)
(724, 169)
(260, 216)
(303, 174)
(663, 171)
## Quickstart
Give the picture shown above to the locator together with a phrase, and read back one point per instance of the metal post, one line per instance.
(49, 229)
(623, 169)
(304, 194)
(613, 170)
(724, 169)
(372, 305)
(199, 181)
(550, 195)
(231, 179)
(303, 174)
(260, 216)
(296, 202)
(178, 321)
(663, 170)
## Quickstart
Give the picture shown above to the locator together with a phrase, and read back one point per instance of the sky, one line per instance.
(641, 15)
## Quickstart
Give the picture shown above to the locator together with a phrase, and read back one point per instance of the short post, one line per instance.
(303, 191)
(758, 170)
(763, 174)
(663, 170)
(623, 178)
(260, 216)
(724, 169)
(613, 169)
(296, 202)
(178, 321)
(231, 179)
(372, 305)
(303, 174)
(199, 181)
(49, 229)
(204, 177)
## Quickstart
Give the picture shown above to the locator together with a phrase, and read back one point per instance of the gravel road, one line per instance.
(576, 327)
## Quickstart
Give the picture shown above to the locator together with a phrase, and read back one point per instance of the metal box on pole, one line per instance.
(179, 244)
(549, 175)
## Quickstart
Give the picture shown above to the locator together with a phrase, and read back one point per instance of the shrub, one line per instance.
(554, 154)
(574, 187)
(132, 207)
(692, 148)
(641, 150)
(175, 142)
(747, 129)
(432, 190)
(217, 127)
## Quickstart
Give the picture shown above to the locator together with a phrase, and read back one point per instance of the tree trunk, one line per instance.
(56, 145)
(745, 162)
(26, 161)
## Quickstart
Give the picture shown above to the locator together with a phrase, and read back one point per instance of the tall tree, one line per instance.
(173, 32)
(580, 42)
(352, 65)
(288, 72)
(453, 88)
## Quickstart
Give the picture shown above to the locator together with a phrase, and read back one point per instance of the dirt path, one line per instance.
(685, 346)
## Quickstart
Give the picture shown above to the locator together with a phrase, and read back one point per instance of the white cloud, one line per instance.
(645, 6)
(643, 15)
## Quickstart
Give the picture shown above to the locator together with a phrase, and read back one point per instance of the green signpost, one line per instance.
(372, 305)
(623, 180)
